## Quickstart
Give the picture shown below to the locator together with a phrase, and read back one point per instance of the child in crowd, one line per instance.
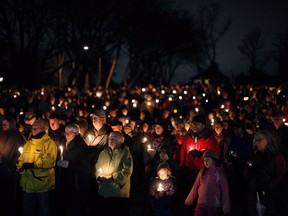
(211, 188)
(163, 191)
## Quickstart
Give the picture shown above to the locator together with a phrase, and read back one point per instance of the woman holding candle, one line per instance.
(74, 175)
(265, 173)
(163, 191)
(210, 188)
(113, 171)
(161, 139)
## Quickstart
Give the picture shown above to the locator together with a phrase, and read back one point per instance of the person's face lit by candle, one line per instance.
(163, 173)
(159, 129)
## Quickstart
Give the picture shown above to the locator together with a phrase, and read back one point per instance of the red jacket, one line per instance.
(193, 165)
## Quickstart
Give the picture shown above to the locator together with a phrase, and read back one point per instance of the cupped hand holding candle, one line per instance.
(61, 152)
(160, 188)
(20, 149)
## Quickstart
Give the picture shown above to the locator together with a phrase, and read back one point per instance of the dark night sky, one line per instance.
(271, 16)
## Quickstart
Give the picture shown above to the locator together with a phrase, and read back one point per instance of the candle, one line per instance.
(145, 139)
(61, 152)
(20, 149)
(100, 171)
(148, 147)
(191, 148)
(89, 138)
(160, 187)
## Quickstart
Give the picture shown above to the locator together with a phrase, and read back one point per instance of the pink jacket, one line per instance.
(211, 189)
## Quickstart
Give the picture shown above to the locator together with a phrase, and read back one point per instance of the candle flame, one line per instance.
(20, 149)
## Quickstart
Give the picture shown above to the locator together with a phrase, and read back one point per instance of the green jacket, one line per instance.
(42, 152)
(119, 164)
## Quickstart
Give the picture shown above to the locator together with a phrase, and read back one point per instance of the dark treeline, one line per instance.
(42, 42)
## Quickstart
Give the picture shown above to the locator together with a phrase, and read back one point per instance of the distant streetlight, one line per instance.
(85, 47)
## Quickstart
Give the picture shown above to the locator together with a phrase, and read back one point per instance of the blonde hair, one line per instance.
(164, 166)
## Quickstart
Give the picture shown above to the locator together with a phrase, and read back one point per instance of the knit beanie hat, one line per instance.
(163, 165)
(200, 119)
(211, 154)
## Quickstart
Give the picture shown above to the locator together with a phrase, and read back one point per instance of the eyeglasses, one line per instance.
(68, 133)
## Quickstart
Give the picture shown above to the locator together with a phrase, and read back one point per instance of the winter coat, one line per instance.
(265, 173)
(164, 199)
(190, 165)
(73, 183)
(211, 188)
(119, 164)
(158, 143)
(96, 141)
(42, 152)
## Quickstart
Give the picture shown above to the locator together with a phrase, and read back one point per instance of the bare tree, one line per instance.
(208, 17)
(281, 55)
(253, 48)
(24, 31)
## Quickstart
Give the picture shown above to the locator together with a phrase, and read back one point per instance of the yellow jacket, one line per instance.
(42, 152)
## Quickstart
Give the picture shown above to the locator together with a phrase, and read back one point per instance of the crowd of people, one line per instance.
(218, 149)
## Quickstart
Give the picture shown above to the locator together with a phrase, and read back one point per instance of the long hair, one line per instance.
(270, 138)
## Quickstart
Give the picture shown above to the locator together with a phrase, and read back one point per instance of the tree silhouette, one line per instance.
(26, 39)
(253, 48)
(208, 19)
(281, 55)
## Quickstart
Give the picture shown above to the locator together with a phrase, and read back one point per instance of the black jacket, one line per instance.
(73, 182)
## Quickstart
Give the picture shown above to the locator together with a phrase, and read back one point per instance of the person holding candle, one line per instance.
(96, 139)
(198, 139)
(10, 141)
(265, 173)
(37, 176)
(163, 191)
(161, 139)
(74, 176)
(210, 188)
(113, 171)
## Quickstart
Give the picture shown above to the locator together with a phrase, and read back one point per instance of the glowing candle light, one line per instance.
(148, 147)
(160, 187)
(20, 149)
(191, 148)
(89, 138)
(145, 139)
(61, 152)
(100, 172)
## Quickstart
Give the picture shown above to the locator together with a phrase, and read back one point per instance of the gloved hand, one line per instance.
(195, 153)
(63, 163)
(27, 165)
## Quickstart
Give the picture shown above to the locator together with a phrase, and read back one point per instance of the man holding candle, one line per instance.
(96, 139)
(113, 171)
(37, 170)
(198, 139)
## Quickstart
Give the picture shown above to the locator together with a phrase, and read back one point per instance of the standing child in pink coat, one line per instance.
(211, 189)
